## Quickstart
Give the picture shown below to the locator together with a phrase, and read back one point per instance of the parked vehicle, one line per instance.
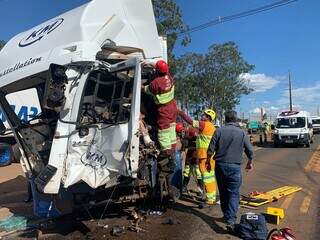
(293, 128)
(254, 127)
(25, 108)
(85, 68)
(316, 124)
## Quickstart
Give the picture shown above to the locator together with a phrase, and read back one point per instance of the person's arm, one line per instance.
(194, 123)
(248, 149)
(153, 88)
(214, 144)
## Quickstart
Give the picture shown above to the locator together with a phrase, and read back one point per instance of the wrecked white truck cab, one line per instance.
(85, 68)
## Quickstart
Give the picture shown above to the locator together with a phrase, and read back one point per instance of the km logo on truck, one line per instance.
(38, 34)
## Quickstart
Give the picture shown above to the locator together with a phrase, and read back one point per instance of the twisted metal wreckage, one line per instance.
(87, 80)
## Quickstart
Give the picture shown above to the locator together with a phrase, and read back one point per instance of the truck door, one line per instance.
(106, 144)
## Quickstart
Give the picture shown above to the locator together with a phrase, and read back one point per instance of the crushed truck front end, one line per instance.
(85, 67)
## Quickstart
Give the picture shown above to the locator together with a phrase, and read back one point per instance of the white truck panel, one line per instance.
(77, 36)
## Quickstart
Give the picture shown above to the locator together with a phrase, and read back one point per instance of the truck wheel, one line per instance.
(275, 144)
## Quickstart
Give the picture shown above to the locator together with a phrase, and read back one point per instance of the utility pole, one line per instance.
(290, 91)
(318, 111)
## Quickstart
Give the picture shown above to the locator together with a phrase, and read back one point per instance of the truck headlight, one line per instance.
(303, 135)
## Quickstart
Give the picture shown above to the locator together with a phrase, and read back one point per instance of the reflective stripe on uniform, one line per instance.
(186, 171)
(211, 197)
(198, 173)
(192, 169)
(208, 177)
(203, 139)
(164, 98)
(195, 124)
(167, 137)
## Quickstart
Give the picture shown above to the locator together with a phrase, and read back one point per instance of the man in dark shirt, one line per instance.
(227, 147)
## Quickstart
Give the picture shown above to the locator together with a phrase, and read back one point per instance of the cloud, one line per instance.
(304, 96)
(260, 82)
(256, 110)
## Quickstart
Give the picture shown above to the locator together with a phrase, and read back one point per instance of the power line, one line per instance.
(247, 13)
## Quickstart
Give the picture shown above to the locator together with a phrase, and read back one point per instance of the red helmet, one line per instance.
(179, 127)
(162, 67)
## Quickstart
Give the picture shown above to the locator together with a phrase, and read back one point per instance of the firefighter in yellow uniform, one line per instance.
(206, 131)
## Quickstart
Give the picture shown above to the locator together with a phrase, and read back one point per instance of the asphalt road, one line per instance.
(273, 168)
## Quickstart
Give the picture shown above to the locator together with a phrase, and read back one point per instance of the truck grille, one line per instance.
(289, 137)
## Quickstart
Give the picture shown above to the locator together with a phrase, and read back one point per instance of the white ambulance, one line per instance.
(293, 127)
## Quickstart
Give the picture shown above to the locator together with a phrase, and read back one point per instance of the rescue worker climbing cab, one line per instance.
(161, 88)
(86, 68)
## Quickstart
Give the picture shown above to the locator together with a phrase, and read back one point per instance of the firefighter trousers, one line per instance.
(209, 179)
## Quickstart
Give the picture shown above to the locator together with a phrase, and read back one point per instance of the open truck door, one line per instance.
(106, 143)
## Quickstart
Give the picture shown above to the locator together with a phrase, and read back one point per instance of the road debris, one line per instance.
(13, 223)
(157, 213)
(105, 226)
(118, 231)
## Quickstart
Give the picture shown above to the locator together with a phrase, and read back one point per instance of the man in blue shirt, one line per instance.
(227, 146)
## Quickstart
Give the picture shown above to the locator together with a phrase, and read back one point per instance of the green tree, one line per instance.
(188, 69)
(169, 22)
(2, 43)
(212, 79)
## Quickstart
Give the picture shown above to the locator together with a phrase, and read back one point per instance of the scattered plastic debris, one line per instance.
(135, 228)
(118, 231)
(13, 223)
(158, 213)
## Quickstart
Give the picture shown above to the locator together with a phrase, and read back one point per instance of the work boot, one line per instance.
(231, 228)
(204, 204)
(200, 188)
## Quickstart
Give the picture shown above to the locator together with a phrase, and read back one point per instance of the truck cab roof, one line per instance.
(77, 36)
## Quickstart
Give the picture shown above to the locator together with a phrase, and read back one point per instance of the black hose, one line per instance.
(271, 232)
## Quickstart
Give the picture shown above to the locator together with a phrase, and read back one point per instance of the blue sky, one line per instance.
(276, 41)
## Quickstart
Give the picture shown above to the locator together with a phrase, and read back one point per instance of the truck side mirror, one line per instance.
(55, 86)
(272, 127)
(2, 128)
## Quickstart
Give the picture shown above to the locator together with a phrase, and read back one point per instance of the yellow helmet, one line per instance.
(210, 113)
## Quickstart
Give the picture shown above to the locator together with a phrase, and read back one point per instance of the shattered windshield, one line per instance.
(107, 97)
(296, 122)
